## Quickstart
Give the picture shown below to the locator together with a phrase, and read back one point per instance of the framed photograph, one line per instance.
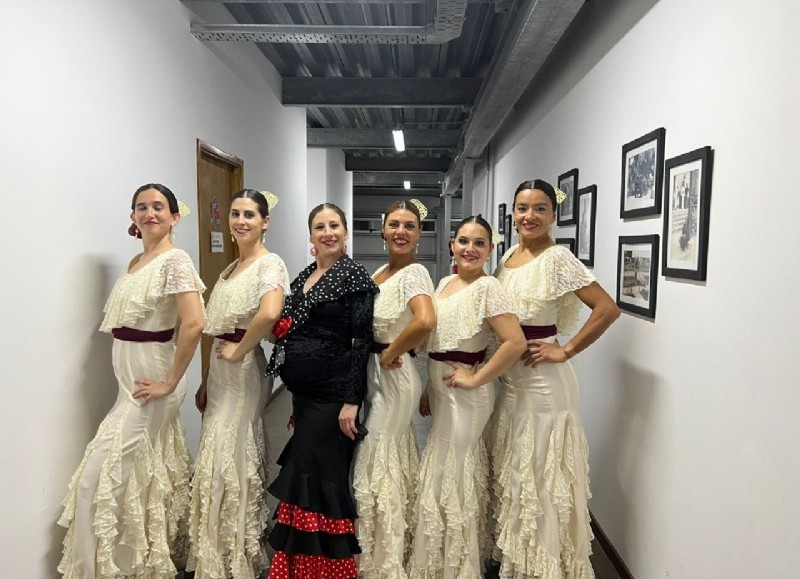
(637, 274)
(508, 228)
(642, 175)
(568, 242)
(586, 209)
(501, 250)
(568, 183)
(501, 218)
(687, 198)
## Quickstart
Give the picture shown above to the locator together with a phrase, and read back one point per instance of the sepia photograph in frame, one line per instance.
(586, 213)
(568, 183)
(568, 242)
(501, 218)
(642, 175)
(637, 274)
(687, 198)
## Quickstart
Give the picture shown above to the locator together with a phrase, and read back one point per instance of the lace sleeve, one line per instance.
(568, 272)
(496, 301)
(417, 282)
(180, 275)
(272, 275)
(361, 319)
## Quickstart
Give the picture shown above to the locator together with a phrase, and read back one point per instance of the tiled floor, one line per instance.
(277, 416)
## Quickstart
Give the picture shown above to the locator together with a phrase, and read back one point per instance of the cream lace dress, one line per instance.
(229, 512)
(450, 531)
(539, 454)
(387, 461)
(128, 502)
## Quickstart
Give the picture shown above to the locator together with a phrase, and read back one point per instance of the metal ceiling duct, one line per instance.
(447, 25)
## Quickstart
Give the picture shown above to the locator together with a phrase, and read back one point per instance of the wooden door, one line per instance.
(219, 176)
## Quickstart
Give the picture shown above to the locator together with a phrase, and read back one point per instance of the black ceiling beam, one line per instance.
(399, 192)
(396, 179)
(379, 92)
(397, 164)
(381, 138)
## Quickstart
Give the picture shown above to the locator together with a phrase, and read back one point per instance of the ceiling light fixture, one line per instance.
(407, 184)
(399, 140)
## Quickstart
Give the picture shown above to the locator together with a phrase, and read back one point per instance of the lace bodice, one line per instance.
(461, 317)
(392, 312)
(542, 290)
(234, 302)
(145, 299)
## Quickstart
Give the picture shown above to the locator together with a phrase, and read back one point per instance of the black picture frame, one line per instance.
(687, 199)
(501, 250)
(586, 217)
(501, 218)
(568, 183)
(568, 242)
(637, 274)
(507, 232)
(642, 175)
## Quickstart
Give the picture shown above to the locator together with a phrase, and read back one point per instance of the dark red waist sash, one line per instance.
(133, 335)
(378, 347)
(236, 336)
(469, 358)
(538, 332)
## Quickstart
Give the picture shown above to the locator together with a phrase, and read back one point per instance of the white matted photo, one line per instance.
(586, 208)
(637, 274)
(642, 175)
(568, 183)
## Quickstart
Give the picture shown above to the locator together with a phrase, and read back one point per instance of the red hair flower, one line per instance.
(282, 327)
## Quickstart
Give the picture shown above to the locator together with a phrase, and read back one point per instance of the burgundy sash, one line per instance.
(133, 335)
(538, 332)
(236, 336)
(378, 347)
(469, 358)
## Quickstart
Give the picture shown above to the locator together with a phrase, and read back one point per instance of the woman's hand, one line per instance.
(150, 390)
(461, 377)
(388, 363)
(539, 352)
(227, 351)
(425, 404)
(347, 420)
(200, 398)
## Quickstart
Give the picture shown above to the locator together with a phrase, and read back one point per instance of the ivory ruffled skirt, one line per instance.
(386, 468)
(127, 505)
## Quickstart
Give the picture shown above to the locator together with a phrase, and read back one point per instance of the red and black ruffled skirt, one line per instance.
(314, 536)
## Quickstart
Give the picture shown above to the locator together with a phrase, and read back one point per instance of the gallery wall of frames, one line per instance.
(674, 195)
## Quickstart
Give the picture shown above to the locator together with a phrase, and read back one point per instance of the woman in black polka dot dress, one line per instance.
(323, 346)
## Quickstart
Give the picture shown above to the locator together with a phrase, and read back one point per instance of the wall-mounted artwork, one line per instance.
(501, 250)
(642, 175)
(507, 231)
(586, 209)
(568, 183)
(568, 242)
(637, 274)
(687, 198)
(501, 218)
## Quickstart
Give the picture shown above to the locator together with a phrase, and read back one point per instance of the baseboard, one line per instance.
(609, 549)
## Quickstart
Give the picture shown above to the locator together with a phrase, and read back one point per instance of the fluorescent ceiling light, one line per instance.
(399, 141)
(407, 184)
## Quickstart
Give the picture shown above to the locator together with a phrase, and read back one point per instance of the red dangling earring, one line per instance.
(313, 251)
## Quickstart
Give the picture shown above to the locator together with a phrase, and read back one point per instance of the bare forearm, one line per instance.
(505, 356)
(599, 321)
(188, 337)
(259, 327)
(415, 333)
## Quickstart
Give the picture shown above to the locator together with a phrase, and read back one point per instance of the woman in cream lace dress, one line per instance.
(539, 454)
(387, 461)
(128, 502)
(229, 512)
(450, 533)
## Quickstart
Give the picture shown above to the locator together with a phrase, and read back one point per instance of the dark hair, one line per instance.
(402, 204)
(322, 207)
(171, 200)
(542, 186)
(257, 196)
(475, 219)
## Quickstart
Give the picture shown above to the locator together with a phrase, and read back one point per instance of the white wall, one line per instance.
(692, 419)
(328, 182)
(99, 97)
